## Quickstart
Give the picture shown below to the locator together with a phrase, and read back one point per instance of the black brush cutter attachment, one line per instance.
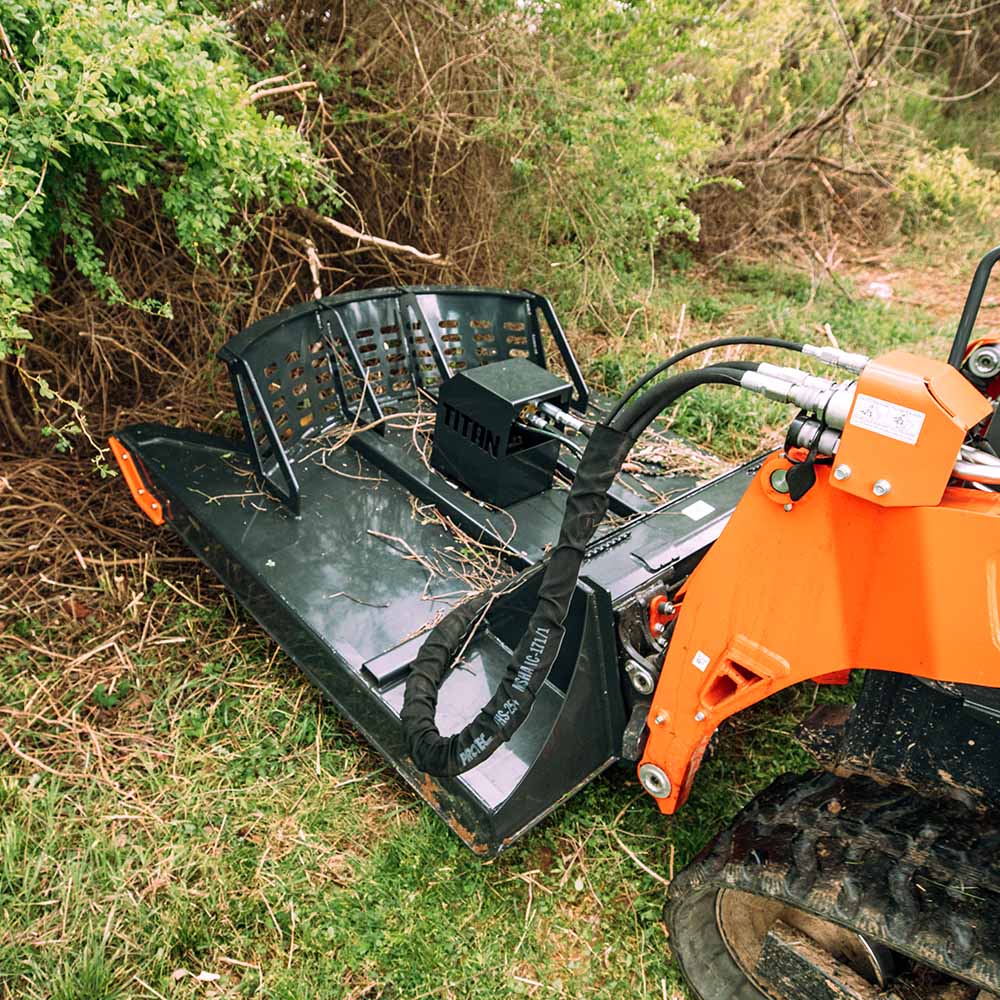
(406, 449)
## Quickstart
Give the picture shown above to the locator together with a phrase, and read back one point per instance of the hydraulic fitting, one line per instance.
(840, 359)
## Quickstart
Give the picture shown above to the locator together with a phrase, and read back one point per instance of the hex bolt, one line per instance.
(788, 508)
(881, 487)
(842, 472)
(665, 608)
(661, 717)
(699, 717)
(659, 628)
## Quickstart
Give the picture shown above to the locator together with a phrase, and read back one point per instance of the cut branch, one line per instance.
(312, 257)
(288, 88)
(378, 241)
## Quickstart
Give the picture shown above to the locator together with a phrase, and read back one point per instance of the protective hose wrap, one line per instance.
(500, 718)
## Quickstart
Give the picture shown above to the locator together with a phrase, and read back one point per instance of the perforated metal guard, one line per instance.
(312, 367)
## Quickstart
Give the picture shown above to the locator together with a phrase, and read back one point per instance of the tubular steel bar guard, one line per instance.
(972, 306)
(323, 363)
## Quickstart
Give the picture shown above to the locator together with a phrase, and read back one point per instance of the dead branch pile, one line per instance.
(825, 167)
(399, 99)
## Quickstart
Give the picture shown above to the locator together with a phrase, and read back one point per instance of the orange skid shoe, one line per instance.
(141, 494)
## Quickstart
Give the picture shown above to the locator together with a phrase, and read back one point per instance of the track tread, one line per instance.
(920, 875)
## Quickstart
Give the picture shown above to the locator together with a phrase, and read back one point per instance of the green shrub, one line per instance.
(604, 149)
(100, 98)
(940, 184)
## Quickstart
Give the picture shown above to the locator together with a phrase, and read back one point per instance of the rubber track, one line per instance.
(920, 875)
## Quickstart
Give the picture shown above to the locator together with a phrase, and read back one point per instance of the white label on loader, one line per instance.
(888, 419)
(698, 510)
(701, 660)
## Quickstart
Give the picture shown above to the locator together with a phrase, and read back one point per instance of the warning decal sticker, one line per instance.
(698, 510)
(888, 419)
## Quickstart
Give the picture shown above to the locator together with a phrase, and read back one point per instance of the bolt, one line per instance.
(842, 472)
(642, 680)
(788, 508)
(665, 608)
(654, 779)
(984, 362)
(659, 628)
(881, 487)
(661, 717)
(779, 481)
(699, 717)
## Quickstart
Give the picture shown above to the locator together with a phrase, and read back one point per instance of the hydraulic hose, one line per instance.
(639, 414)
(706, 345)
(538, 648)
(561, 438)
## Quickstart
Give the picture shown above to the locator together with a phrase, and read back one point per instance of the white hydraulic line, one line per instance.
(974, 473)
(978, 456)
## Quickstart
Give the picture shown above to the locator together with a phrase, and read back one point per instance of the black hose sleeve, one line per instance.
(640, 413)
(586, 505)
(500, 718)
(688, 352)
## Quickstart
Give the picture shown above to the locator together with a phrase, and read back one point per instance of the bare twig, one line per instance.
(641, 864)
(9, 49)
(289, 88)
(378, 241)
(34, 194)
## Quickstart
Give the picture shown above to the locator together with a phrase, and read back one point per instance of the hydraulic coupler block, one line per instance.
(479, 439)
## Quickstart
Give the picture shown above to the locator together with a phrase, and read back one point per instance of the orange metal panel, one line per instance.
(836, 583)
(909, 418)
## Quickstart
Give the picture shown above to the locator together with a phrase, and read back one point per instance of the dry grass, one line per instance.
(174, 798)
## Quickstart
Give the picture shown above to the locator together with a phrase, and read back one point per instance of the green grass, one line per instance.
(182, 805)
(218, 818)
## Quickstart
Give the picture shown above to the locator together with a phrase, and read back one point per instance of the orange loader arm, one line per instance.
(881, 565)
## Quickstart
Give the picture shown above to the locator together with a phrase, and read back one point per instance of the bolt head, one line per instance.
(881, 487)
(654, 779)
(788, 508)
(779, 480)
(985, 362)
(642, 680)
(699, 717)
(661, 717)
(842, 472)
(659, 628)
(665, 608)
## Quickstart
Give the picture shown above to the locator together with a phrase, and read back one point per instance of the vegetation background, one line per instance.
(179, 816)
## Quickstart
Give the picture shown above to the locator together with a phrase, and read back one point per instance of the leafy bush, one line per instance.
(943, 183)
(100, 98)
(604, 149)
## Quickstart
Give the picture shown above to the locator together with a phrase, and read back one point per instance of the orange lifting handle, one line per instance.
(149, 504)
